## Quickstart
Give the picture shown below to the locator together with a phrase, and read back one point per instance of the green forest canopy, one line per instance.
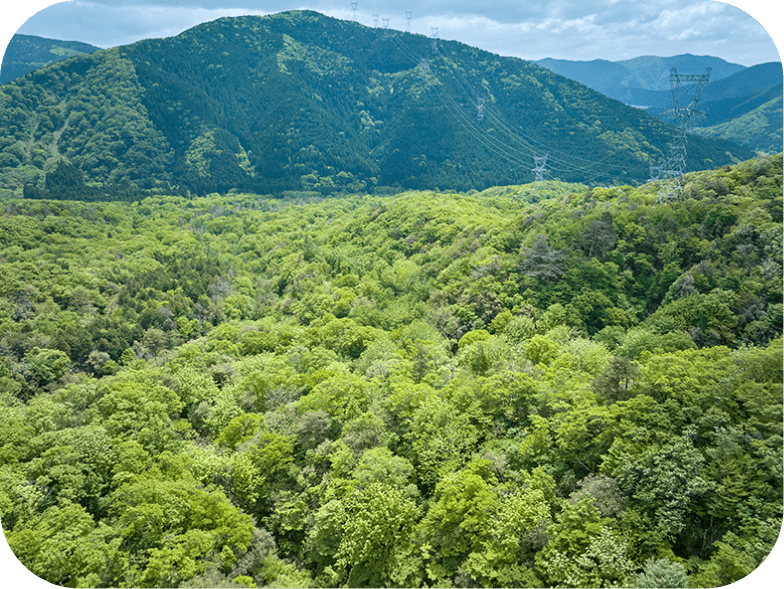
(535, 385)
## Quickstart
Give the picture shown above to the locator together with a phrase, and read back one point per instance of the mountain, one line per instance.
(26, 53)
(724, 99)
(301, 101)
(745, 82)
(759, 128)
(742, 105)
(623, 80)
(745, 107)
(653, 72)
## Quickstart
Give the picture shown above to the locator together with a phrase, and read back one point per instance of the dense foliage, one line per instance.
(540, 385)
(300, 101)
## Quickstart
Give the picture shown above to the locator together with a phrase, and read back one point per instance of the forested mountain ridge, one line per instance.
(26, 53)
(760, 128)
(300, 101)
(537, 385)
(739, 104)
(619, 79)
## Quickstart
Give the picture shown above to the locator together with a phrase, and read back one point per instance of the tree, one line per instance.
(65, 546)
(66, 182)
(661, 572)
(664, 485)
(459, 518)
(616, 380)
(542, 262)
(439, 438)
(583, 551)
(599, 237)
(173, 528)
(155, 340)
(377, 546)
(47, 366)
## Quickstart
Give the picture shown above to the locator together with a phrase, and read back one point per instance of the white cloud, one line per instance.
(569, 29)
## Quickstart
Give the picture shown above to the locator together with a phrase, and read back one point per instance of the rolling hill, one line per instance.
(301, 101)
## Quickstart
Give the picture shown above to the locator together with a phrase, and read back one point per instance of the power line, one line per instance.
(669, 176)
(488, 141)
(566, 166)
(504, 148)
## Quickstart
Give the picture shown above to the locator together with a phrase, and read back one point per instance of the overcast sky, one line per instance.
(565, 29)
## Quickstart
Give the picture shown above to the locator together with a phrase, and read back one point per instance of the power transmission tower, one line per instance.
(425, 66)
(375, 19)
(409, 14)
(480, 108)
(386, 27)
(540, 167)
(670, 175)
(434, 34)
(354, 10)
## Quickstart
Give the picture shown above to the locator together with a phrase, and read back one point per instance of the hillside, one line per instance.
(533, 386)
(26, 53)
(759, 129)
(742, 105)
(300, 101)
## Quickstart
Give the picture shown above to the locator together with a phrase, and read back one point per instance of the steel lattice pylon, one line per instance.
(540, 168)
(669, 176)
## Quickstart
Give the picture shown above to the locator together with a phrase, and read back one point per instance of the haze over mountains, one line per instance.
(300, 101)
(741, 104)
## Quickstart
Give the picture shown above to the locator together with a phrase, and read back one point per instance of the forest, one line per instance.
(535, 385)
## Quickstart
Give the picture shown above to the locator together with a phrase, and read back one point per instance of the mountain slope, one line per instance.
(722, 99)
(730, 101)
(653, 72)
(744, 82)
(300, 101)
(26, 53)
(625, 80)
(760, 128)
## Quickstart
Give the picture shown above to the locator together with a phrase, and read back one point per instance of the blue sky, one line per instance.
(530, 29)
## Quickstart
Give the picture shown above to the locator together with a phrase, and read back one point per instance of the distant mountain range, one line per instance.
(301, 101)
(742, 104)
(26, 53)
(619, 79)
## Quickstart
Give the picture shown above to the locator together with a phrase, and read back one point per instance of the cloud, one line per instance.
(567, 29)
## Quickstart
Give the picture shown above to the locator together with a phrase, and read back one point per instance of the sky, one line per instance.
(529, 29)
